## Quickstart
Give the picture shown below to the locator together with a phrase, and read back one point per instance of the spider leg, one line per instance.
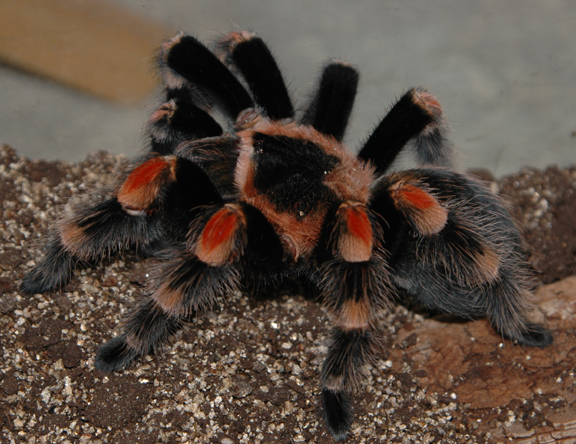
(217, 156)
(417, 115)
(176, 121)
(130, 217)
(247, 54)
(356, 289)
(331, 105)
(86, 234)
(223, 242)
(187, 63)
(195, 80)
(187, 285)
(454, 246)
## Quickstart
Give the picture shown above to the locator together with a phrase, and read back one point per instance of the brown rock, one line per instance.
(471, 361)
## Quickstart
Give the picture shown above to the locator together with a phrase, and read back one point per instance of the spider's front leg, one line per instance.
(247, 55)
(223, 243)
(416, 116)
(179, 120)
(354, 281)
(331, 105)
(160, 188)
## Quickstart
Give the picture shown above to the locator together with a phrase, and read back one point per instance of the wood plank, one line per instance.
(92, 46)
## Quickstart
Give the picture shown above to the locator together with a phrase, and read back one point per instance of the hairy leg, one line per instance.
(247, 54)
(356, 289)
(128, 217)
(223, 242)
(331, 105)
(418, 116)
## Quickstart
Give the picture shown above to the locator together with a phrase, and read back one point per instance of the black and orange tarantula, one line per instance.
(235, 189)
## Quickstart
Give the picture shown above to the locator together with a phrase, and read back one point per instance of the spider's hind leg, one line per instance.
(419, 116)
(509, 307)
(454, 246)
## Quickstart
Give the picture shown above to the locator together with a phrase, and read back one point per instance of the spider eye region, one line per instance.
(290, 171)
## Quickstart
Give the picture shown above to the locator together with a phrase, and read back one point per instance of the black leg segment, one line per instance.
(331, 106)
(337, 413)
(419, 116)
(198, 65)
(249, 55)
(148, 328)
(177, 121)
(404, 121)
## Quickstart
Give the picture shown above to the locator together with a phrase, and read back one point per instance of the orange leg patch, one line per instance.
(354, 315)
(169, 299)
(72, 237)
(221, 237)
(487, 265)
(428, 102)
(355, 237)
(425, 212)
(142, 186)
(164, 111)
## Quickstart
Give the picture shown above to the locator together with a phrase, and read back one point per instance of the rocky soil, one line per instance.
(249, 371)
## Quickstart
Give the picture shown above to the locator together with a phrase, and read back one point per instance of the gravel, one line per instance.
(248, 372)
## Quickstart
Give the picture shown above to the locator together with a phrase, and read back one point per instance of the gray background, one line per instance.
(504, 71)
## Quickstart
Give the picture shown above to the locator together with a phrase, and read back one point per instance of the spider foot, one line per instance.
(38, 281)
(115, 355)
(337, 413)
(535, 336)
(52, 273)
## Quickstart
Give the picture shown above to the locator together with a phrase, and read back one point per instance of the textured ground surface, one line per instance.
(249, 372)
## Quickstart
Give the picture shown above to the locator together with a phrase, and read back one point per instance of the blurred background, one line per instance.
(77, 76)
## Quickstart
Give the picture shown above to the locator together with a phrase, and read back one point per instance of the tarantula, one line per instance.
(236, 190)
